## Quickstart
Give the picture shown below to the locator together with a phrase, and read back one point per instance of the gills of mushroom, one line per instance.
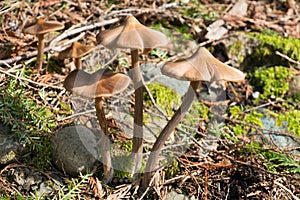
(101, 84)
(76, 51)
(201, 66)
(40, 28)
(134, 36)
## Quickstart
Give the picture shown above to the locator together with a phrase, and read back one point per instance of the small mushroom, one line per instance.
(40, 28)
(101, 84)
(201, 66)
(76, 51)
(134, 36)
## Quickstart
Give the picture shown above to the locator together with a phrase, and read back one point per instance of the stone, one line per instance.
(175, 196)
(294, 85)
(75, 149)
(9, 146)
(280, 141)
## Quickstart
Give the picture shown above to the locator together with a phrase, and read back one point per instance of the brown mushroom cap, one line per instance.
(202, 66)
(41, 27)
(102, 83)
(133, 35)
(76, 50)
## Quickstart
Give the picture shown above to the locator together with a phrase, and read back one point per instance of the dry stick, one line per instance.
(105, 147)
(137, 141)
(287, 190)
(57, 39)
(166, 132)
(30, 81)
(81, 29)
(154, 103)
(289, 59)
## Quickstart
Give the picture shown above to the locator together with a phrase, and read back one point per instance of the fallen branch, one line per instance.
(289, 59)
(30, 81)
(287, 190)
(57, 39)
(81, 29)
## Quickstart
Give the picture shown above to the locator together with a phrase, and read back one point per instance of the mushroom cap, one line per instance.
(41, 27)
(102, 83)
(76, 50)
(202, 66)
(133, 35)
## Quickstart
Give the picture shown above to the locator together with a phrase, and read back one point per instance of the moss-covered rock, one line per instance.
(253, 50)
(272, 81)
(167, 99)
(269, 44)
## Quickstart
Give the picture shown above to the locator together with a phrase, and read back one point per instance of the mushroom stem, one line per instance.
(137, 147)
(166, 132)
(78, 63)
(105, 143)
(41, 46)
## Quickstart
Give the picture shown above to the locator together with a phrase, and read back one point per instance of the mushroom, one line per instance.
(201, 66)
(40, 28)
(134, 36)
(76, 51)
(101, 84)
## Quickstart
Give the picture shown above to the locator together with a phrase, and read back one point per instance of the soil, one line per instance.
(235, 170)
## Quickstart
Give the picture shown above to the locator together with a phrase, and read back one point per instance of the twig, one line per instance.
(287, 190)
(288, 134)
(57, 39)
(289, 59)
(150, 183)
(10, 8)
(154, 103)
(77, 114)
(260, 106)
(81, 29)
(30, 81)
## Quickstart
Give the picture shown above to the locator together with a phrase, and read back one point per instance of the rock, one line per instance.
(294, 85)
(44, 190)
(75, 149)
(279, 140)
(153, 126)
(9, 147)
(240, 47)
(175, 196)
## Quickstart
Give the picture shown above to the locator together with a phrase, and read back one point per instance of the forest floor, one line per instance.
(255, 158)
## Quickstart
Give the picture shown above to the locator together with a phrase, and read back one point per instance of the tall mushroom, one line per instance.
(134, 36)
(101, 84)
(76, 51)
(201, 66)
(40, 28)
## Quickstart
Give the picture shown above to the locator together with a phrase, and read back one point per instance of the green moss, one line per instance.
(272, 81)
(198, 110)
(122, 165)
(252, 117)
(164, 97)
(172, 170)
(293, 120)
(264, 54)
(236, 49)
(199, 11)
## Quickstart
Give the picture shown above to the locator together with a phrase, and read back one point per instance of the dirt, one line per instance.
(229, 172)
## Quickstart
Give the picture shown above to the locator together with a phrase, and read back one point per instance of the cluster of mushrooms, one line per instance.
(201, 66)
